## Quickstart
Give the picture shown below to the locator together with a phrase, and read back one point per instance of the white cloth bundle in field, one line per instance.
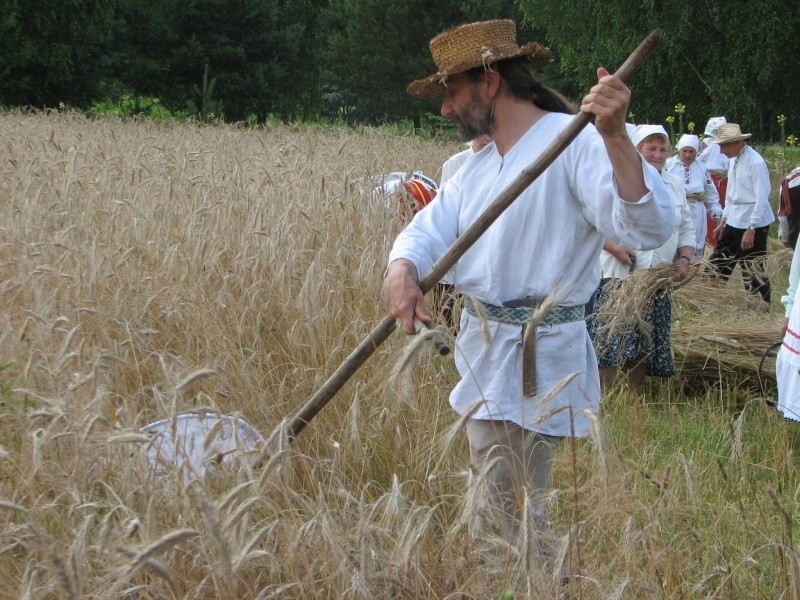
(197, 443)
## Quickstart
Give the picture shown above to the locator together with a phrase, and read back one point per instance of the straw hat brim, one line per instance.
(434, 86)
(730, 138)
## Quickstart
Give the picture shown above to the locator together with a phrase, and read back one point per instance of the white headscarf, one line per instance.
(689, 141)
(644, 131)
(712, 126)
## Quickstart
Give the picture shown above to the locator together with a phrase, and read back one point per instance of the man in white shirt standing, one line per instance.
(742, 233)
(545, 245)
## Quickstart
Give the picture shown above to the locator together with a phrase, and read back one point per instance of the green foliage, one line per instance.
(133, 106)
(362, 50)
(376, 48)
(720, 58)
(250, 58)
(351, 60)
(781, 159)
(208, 107)
(50, 50)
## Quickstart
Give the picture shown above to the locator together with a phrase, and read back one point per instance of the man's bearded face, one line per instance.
(474, 120)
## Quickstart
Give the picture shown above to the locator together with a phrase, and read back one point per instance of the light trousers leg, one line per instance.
(516, 465)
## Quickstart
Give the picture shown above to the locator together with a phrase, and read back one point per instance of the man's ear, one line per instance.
(492, 81)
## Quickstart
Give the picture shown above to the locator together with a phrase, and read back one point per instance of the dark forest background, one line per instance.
(350, 60)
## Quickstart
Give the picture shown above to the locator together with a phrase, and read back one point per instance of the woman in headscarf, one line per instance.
(643, 349)
(701, 192)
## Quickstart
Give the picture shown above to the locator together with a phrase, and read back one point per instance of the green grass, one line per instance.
(709, 490)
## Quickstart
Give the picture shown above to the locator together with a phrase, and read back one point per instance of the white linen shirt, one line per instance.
(547, 241)
(681, 234)
(454, 163)
(747, 198)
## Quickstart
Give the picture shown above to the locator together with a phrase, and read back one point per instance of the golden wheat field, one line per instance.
(150, 270)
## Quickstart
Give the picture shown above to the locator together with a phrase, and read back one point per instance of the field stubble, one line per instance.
(148, 270)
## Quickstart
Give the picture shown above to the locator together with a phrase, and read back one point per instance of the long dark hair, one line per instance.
(520, 79)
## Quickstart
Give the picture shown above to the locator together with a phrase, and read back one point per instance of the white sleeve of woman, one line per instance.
(686, 233)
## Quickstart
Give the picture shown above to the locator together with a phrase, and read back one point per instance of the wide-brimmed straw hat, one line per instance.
(473, 45)
(729, 132)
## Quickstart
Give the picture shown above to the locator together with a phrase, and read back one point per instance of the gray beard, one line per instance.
(476, 124)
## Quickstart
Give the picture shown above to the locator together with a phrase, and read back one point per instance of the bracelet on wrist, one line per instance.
(686, 258)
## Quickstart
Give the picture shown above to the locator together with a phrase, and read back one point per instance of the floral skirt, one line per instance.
(647, 341)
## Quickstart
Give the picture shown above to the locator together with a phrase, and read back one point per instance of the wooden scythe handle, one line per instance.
(293, 426)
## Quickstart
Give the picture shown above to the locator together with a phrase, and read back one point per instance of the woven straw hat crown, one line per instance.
(473, 45)
(729, 132)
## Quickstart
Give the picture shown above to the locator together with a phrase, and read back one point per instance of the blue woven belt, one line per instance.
(522, 315)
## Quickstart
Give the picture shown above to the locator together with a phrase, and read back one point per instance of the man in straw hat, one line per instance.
(544, 248)
(742, 233)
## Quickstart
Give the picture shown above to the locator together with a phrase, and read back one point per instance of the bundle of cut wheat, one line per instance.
(628, 300)
(705, 294)
(719, 330)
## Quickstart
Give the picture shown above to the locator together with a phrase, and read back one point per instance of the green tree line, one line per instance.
(350, 60)
(719, 57)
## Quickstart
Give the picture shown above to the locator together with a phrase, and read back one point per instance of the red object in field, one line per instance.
(421, 192)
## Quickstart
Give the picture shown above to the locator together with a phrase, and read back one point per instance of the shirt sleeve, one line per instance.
(641, 225)
(761, 187)
(686, 233)
(644, 225)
